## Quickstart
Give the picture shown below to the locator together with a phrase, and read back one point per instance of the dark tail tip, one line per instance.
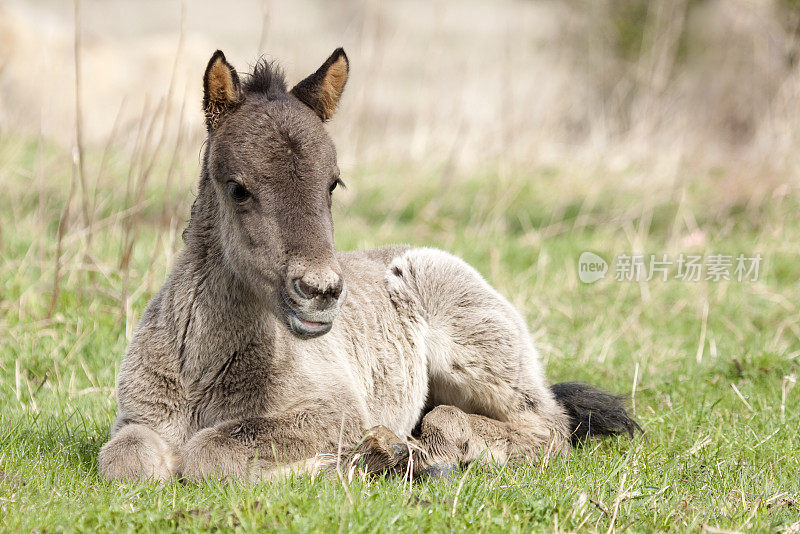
(593, 412)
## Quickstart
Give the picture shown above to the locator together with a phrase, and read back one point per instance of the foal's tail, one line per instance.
(593, 412)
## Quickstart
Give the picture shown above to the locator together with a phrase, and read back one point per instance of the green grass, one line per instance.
(709, 458)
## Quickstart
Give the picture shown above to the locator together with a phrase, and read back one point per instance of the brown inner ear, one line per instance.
(222, 91)
(322, 90)
(220, 83)
(330, 90)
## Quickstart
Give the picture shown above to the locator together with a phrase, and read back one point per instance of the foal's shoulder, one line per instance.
(382, 255)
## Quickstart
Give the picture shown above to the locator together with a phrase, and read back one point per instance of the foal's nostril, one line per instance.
(306, 291)
(303, 290)
(336, 289)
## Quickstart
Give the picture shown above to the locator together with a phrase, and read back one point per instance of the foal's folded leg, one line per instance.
(450, 437)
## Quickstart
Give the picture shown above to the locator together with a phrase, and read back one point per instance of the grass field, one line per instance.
(708, 367)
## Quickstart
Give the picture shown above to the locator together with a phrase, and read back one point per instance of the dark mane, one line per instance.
(267, 78)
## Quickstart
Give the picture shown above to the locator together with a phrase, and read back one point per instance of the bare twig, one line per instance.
(701, 345)
(79, 116)
(62, 228)
(103, 161)
(621, 495)
(741, 397)
(600, 507)
(262, 39)
(464, 478)
(633, 388)
(786, 386)
(342, 478)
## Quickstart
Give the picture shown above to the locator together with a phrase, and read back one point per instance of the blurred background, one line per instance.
(538, 82)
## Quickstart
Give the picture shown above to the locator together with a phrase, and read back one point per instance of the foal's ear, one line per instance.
(222, 91)
(321, 91)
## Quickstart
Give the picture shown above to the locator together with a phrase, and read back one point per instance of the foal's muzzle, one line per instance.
(312, 306)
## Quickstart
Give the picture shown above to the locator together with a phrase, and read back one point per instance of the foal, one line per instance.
(266, 347)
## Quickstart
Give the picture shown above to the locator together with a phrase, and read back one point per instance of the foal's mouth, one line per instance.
(306, 322)
(305, 328)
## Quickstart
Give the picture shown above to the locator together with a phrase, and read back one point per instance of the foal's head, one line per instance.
(272, 168)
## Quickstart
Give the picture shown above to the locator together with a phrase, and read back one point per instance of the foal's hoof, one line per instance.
(442, 471)
(381, 450)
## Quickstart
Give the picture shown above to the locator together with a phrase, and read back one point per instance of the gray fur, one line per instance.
(222, 379)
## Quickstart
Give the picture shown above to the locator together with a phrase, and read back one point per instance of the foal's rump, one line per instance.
(486, 387)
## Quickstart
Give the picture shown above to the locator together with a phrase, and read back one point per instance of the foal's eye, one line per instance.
(334, 184)
(237, 191)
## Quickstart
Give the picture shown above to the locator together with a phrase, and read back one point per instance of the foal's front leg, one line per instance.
(137, 451)
(263, 447)
(259, 446)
